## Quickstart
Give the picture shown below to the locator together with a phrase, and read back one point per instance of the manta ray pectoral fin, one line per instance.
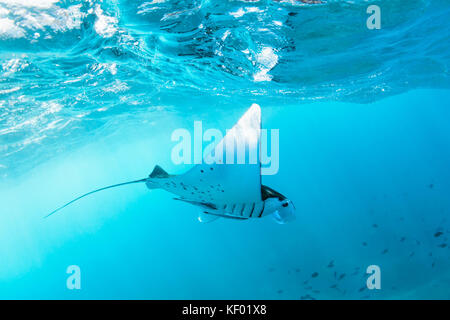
(198, 203)
(225, 180)
(205, 217)
(209, 217)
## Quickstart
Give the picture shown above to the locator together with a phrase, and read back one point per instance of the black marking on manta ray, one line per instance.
(94, 191)
(262, 210)
(253, 208)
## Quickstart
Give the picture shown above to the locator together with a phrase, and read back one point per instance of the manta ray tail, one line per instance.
(94, 191)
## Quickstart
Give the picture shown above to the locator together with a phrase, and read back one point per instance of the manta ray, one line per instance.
(224, 189)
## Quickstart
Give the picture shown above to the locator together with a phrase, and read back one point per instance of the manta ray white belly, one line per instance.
(239, 211)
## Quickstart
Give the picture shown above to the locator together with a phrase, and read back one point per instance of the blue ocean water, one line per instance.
(91, 91)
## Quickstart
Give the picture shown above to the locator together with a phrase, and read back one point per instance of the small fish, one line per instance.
(342, 276)
(402, 239)
(438, 234)
(331, 264)
(362, 289)
(308, 288)
(364, 244)
(280, 291)
(385, 251)
(433, 264)
(297, 270)
(314, 275)
(411, 254)
(431, 186)
(334, 286)
(375, 225)
(305, 282)
(316, 291)
(443, 245)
